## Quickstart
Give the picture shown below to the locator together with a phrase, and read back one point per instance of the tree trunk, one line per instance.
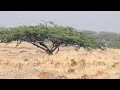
(49, 52)
(45, 48)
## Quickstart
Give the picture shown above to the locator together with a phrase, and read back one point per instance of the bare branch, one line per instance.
(39, 46)
(42, 44)
(57, 50)
(56, 47)
(53, 46)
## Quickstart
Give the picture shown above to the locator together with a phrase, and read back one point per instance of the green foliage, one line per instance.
(107, 36)
(103, 37)
(58, 35)
(89, 33)
(115, 42)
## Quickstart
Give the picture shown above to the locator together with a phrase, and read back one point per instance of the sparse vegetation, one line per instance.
(87, 61)
(56, 35)
(67, 64)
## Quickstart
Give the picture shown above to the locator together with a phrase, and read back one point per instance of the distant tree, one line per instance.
(106, 36)
(115, 42)
(100, 38)
(89, 33)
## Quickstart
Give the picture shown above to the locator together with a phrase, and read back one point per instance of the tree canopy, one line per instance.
(56, 34)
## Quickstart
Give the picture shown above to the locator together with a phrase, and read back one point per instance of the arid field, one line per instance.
(29, 62)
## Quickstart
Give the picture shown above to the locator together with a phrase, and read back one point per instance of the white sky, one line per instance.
(82, 20)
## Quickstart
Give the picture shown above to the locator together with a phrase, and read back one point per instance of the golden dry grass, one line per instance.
(29, 62)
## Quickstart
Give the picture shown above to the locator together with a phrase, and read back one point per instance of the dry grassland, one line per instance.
(30, 62)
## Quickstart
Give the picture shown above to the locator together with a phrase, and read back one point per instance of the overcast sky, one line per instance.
(82, 20)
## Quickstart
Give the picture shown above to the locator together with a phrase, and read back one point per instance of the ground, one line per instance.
(29, 62)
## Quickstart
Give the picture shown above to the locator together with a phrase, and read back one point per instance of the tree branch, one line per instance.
(38, 46)
(57, 50)
(56, 46)
(42, 44)
(53, 46)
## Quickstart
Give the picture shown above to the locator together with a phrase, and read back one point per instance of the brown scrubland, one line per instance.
(29, 62)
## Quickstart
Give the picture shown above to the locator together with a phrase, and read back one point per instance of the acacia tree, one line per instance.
(39, 34)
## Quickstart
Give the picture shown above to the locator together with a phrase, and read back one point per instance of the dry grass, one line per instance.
(29, 62)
